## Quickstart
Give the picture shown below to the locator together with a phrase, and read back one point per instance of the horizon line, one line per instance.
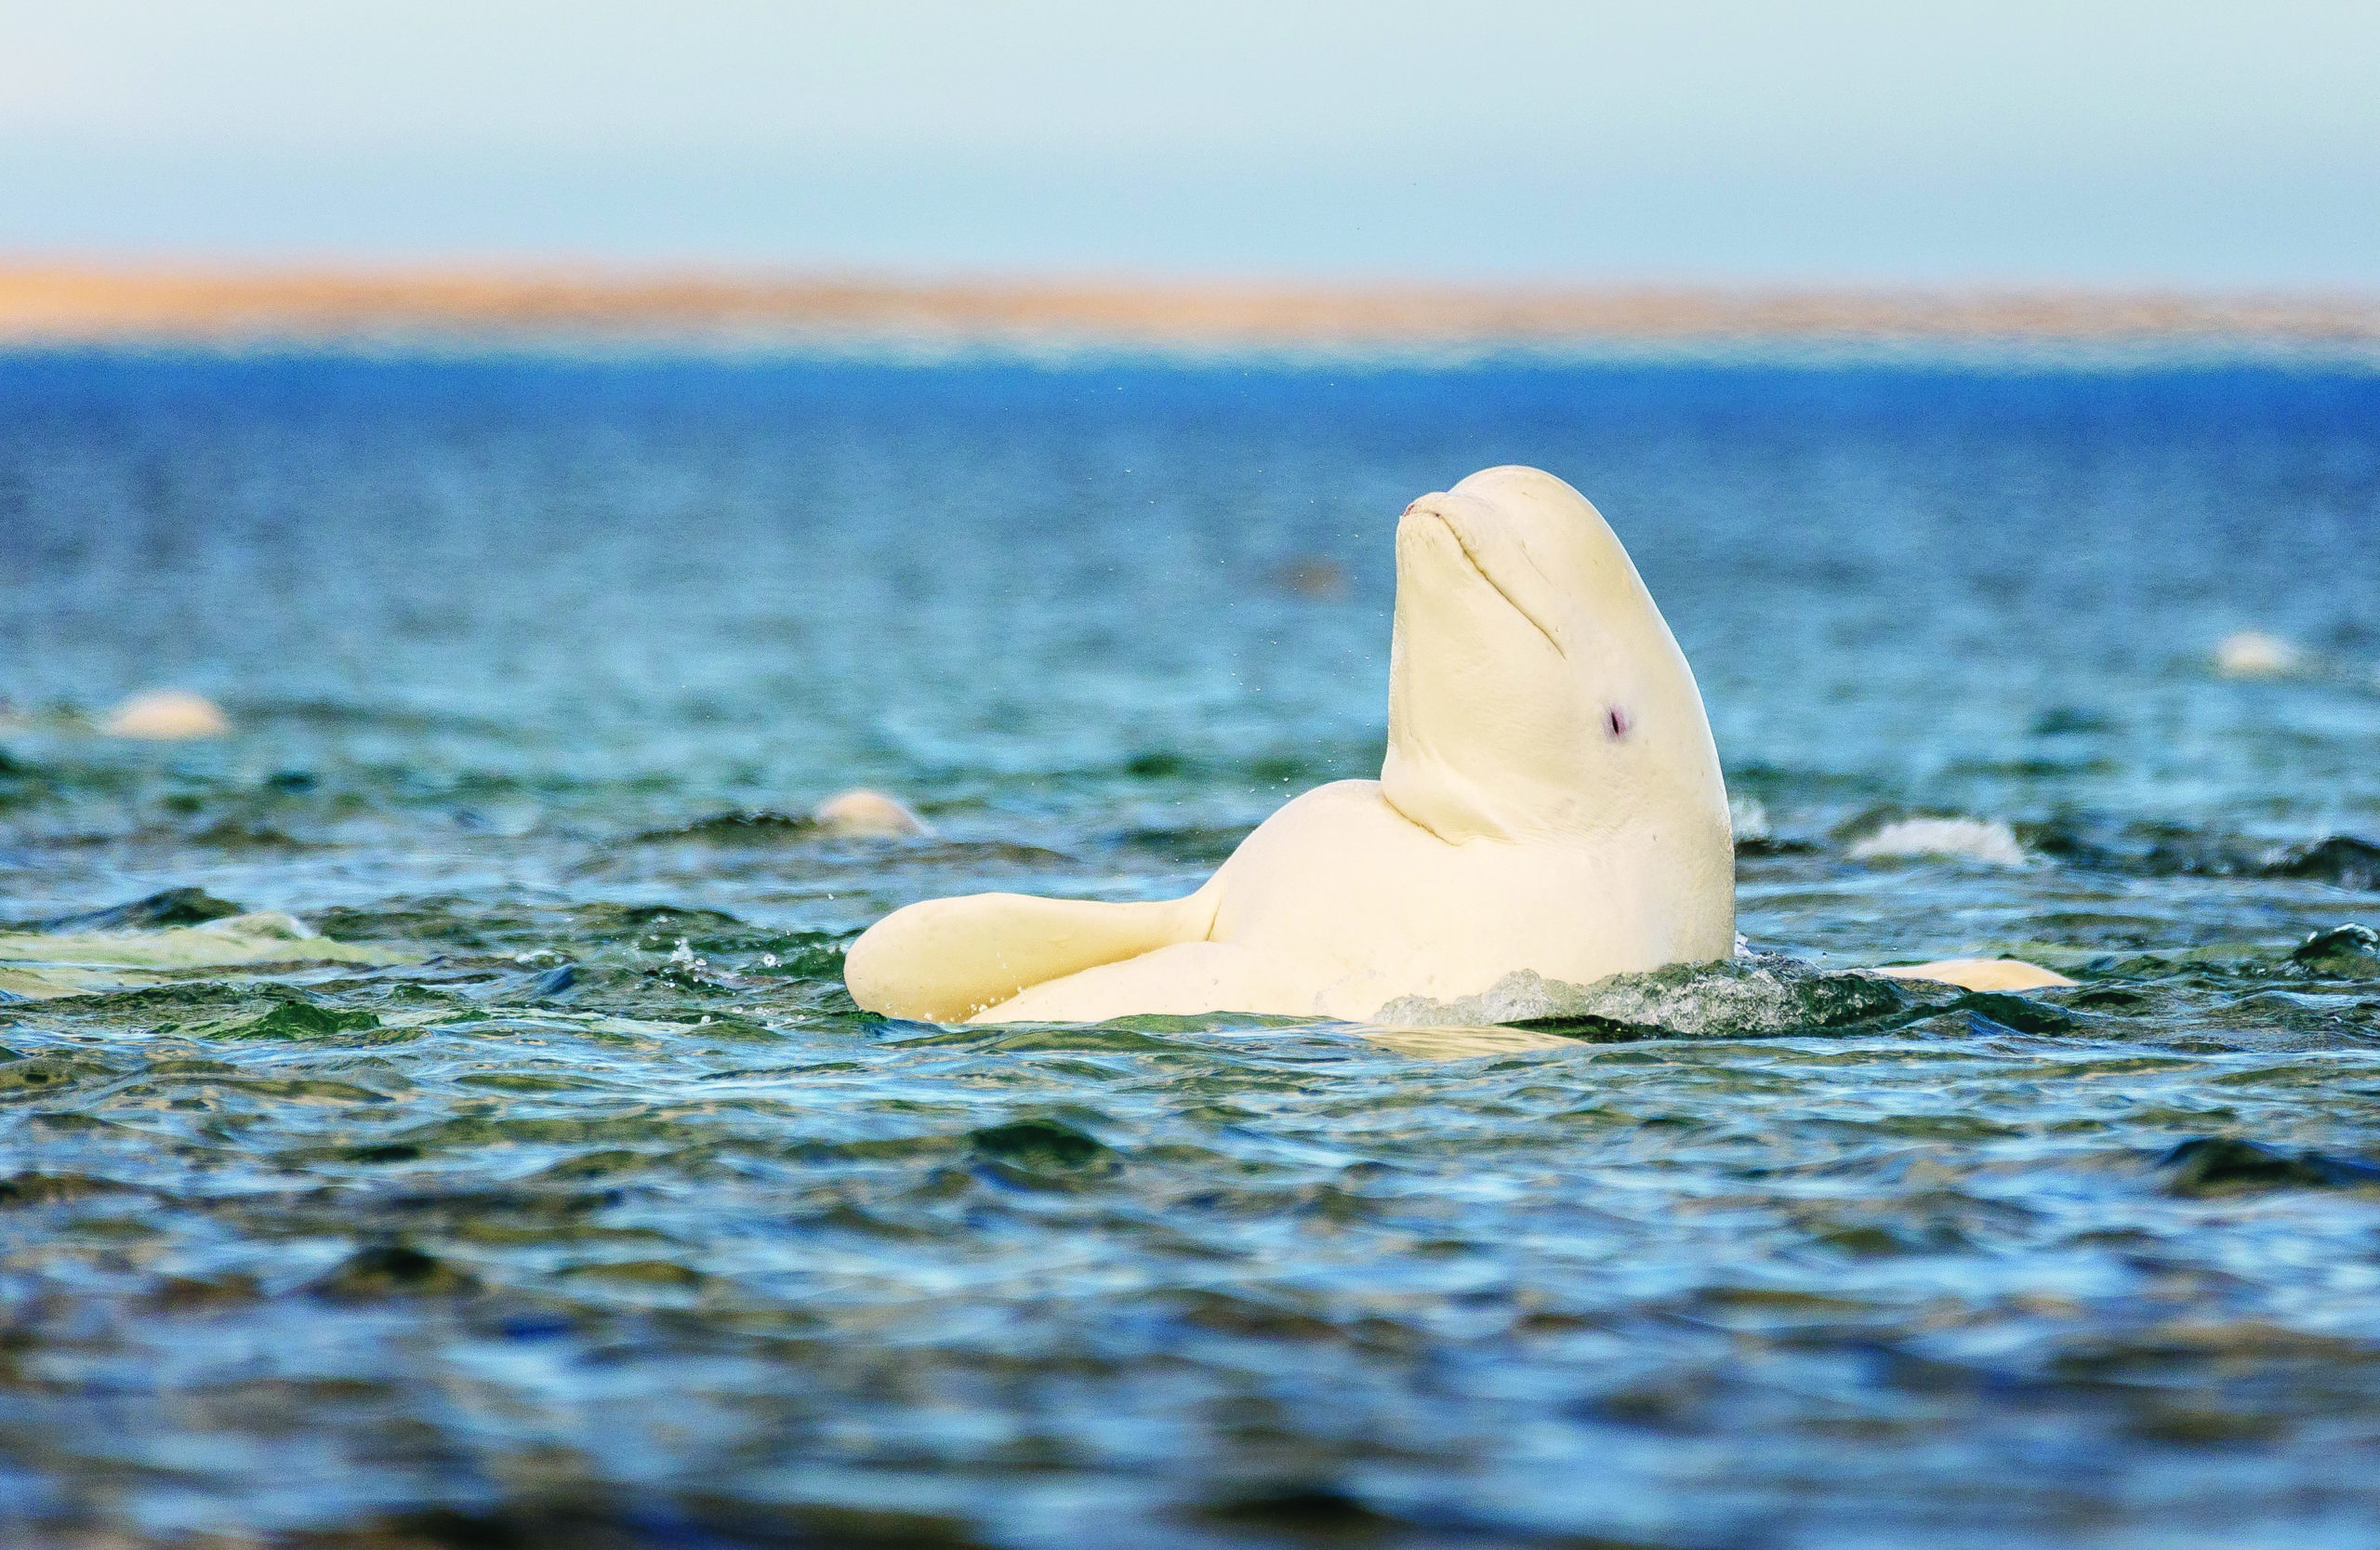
(58, 301)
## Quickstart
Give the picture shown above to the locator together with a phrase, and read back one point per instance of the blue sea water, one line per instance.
(605, 1218)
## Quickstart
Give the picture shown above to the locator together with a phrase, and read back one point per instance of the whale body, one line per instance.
(1551, 800)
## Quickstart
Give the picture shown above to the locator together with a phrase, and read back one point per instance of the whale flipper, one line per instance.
(946, 960)
(1980, 974)
(1181, 980)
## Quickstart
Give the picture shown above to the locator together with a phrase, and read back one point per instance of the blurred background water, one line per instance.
(601, 1216)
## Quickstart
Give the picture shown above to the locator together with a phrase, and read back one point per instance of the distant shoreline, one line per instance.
(60, 306)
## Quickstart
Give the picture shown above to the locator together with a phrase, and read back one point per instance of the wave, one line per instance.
(2084, 840)
(2169, 850)
(1753, 996)
(1986, 839)
(109, 950)
(173, 907)
(744, 826)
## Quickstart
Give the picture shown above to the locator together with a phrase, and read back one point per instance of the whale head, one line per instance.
(1535, 691)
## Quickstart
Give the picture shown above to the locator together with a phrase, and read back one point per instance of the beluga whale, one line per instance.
(1550, 801)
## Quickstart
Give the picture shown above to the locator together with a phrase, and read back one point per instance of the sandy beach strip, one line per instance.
(57, 305)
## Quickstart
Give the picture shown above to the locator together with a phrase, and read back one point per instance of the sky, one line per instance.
(2182, 143)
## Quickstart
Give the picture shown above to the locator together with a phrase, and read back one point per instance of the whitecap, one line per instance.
(1988, 840)
(2254, 654)
(166, 715)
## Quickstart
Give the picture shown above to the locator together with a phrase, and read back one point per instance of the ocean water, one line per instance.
(577, 1206)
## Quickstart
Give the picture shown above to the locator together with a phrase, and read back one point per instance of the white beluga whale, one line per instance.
(166, 715)
(1551, 802)
(860, 813)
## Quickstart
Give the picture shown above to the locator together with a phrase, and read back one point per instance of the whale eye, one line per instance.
(1614, 721)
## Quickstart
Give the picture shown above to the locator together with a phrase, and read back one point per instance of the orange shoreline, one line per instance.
(58, 305)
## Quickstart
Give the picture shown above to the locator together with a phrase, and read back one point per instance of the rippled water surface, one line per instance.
(557, 1195)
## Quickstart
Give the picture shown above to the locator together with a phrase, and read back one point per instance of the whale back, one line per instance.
(1535, 691)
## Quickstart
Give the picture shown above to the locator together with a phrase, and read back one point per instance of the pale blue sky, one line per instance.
(2185, 143)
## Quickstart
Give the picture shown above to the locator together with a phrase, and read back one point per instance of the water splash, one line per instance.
(1752, 996)
(1986, 840)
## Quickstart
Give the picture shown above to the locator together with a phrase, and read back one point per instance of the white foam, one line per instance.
(1988, 839)
(1751, 996)
(861, 813)
(166, 715)
(2254, 653)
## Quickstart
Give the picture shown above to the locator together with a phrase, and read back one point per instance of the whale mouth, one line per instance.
(1471, 557)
